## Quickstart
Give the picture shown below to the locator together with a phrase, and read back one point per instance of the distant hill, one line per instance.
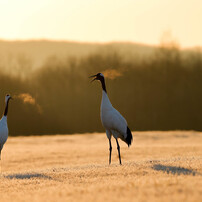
(34, 53)
(21, 57)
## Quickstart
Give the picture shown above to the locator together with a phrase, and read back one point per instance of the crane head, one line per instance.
(7, 98)
(98, 76)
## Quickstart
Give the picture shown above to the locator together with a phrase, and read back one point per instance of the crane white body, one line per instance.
(112, 120)
(3, 132)
(4, 125)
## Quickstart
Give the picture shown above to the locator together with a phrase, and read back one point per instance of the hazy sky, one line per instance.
(141, 21)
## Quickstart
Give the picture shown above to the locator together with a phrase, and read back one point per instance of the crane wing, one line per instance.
(114, 121)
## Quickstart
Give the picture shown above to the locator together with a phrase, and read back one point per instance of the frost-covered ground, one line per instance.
(159, 166)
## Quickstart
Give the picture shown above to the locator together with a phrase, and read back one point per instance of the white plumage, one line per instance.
(4, 126)
(114, 123)
(3, 132)
(111, 119)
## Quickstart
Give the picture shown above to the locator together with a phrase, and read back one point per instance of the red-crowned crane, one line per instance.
(114, 123)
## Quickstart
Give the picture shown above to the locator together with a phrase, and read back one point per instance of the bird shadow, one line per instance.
(28, 176)
(175, 170)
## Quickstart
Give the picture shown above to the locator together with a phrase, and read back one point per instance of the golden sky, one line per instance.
(141, 21)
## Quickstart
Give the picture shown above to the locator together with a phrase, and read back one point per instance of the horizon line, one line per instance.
(93, 42)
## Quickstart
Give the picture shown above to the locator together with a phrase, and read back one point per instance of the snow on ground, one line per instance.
(159, 166)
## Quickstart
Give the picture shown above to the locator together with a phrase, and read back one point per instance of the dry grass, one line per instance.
(160, 166)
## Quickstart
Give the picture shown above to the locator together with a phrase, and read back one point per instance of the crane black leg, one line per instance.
(118, 148)
(110, 151)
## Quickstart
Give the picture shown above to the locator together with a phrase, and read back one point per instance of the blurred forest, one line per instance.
(159, 87)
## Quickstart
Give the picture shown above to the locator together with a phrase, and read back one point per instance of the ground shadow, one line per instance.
(27, 176)
(174, 170)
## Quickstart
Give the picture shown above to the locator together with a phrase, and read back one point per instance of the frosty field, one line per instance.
(159, 166)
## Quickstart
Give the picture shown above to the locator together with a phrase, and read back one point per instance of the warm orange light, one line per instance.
(140, 21)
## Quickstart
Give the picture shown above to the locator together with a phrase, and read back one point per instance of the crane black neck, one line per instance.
(6, 108)
(102, 80)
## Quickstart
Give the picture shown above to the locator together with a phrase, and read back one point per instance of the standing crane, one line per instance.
(114, 123)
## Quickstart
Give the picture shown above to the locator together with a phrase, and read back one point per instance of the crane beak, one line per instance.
(92, 77)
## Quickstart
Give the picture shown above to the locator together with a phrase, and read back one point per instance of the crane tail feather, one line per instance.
(129, 137)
